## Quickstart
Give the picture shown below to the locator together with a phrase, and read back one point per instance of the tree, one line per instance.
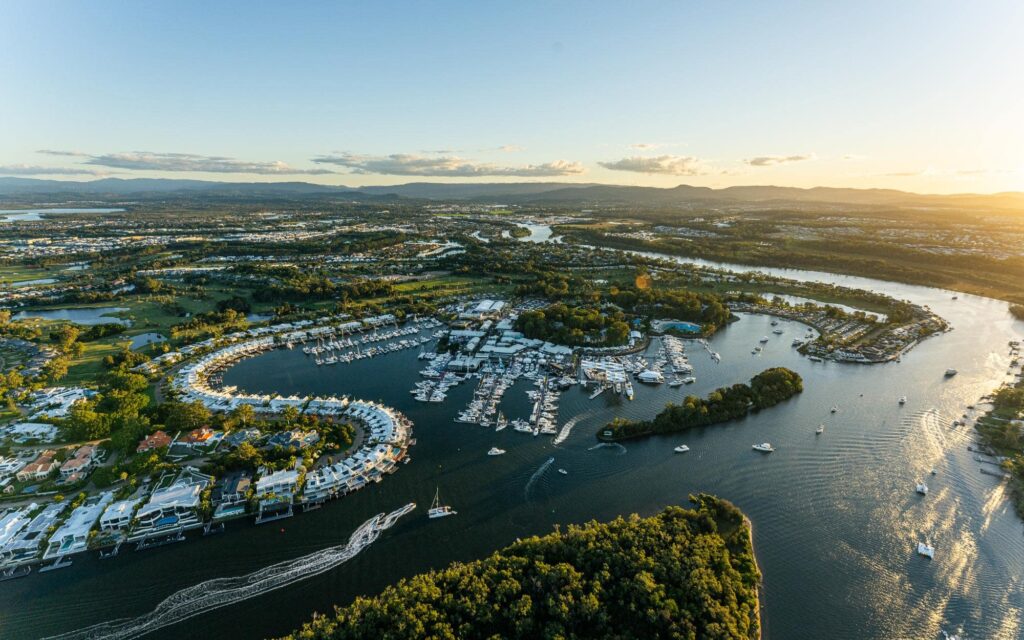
(186, 416)
(244, 414)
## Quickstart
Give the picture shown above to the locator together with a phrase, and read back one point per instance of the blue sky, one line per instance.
(925, 96)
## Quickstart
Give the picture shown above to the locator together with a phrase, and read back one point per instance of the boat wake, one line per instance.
(567, 427)
(536, 476)
(222, 592)
(609, 445)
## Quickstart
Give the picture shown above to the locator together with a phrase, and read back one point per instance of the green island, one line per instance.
(766, 389)
(1001, 433)
(679, 574)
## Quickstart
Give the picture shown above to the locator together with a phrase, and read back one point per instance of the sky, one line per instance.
(925, 96)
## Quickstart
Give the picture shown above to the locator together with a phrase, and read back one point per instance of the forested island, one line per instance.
(766, 389)
(679, 574)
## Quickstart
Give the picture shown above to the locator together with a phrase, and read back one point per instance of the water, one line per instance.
(146, 339)
(32, 283)
(83, 316)
(31, 215)
(835, 516)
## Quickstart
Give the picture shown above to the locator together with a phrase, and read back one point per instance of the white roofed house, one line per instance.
(276, 492)
(73, 536)
(118, 516)
(172, 507)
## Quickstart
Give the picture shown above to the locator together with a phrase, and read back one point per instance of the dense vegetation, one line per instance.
(680, 574)
(766, 389)
(1002, 431)
(574, 325)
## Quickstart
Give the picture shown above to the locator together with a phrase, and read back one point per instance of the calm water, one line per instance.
(835, 516)
(30, 215)
(83, 316)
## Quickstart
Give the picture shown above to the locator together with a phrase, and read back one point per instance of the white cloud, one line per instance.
(670, 165)
(510, 148)
(767, 161)
(444, 166)
(185, 162)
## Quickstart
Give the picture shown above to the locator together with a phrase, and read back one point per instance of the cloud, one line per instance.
(767, 161)
(185, 162)
(645, 145)
(33, 170)
(444, 166)
(510, 148)
(670, 165)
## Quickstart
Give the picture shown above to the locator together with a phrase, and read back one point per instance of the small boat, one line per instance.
(681, 449)
(764, 447)
(925, 549)
(495, 451)
(764, 339)
(834, 409)
(689, 380)
(438, 510)
(778, 332)
(820, 430)
(903, 400)
(563, 472)
(933, 472)
(675, 382)
(921, 488)
(950, 373)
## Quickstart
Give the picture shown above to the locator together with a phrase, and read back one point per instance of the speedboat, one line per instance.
(764, 447)
(495, 451)
(922, 488)
(563, 472)
(834, 409)
(903, 400)
(681, 449)
(820, 430)
(950, 373)
(925, 549)
(778, 332)
(764, 339)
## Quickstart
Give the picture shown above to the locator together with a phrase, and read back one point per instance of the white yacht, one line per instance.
(925, 549)
(689, 380)
(438, 510)
(922, 488)
(950, 373)
(563, 472)
(764, 447)
(650, 376)
(903, 400)
(778, 332)
(834, 409)
(764, 339)
(629, 390)
(820, 430)
(681, 449)
(495, 451)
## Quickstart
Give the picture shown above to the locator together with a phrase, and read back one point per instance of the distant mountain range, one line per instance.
(536, 193)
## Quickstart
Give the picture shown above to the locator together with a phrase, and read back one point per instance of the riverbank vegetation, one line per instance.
(679, 574)
(1001, 430)
(574, 326)
(766, 389)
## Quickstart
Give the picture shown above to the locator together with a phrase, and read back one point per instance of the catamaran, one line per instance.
(438, 510)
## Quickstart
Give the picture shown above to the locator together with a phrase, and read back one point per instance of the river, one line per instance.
(835, 516)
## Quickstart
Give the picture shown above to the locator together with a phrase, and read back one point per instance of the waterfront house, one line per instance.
(173, 506)
(73, 536)
(230, 494)
(10, 466)
(284, 482)
(118, 516)
(154, 441)
(24, 544)
(39, 468)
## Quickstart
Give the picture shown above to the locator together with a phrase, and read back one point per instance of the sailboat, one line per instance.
(438, 510)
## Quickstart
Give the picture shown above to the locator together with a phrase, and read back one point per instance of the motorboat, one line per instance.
(834, 409)
(563, 472)
(921, 488)
(820, 430)
(764, 339)
(689, 380)
(926, 550)
(950, 373)
(681, 449)
(903, 400)
(778, 332)
(495, 451)
(764, 447)
(438, 510)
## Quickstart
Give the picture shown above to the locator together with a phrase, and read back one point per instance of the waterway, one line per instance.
(82, 315)
(33, 215)
(835, 516)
